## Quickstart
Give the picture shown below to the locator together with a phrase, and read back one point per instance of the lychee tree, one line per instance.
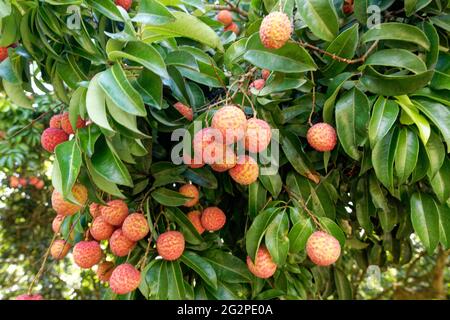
(356, 97)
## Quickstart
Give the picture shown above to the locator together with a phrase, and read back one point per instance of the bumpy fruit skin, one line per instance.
(225, 17)
(195, 218)
(193, 162)
(186, 111)
(231, 122)
(232, 27)
(124, 279)
(265, 73)
(258, 84)
(100, 229)
(59, 249)
(55, 121)
(257, 136)
(135, 227)
(95, 210)
(191, 191)
(87, 254)
(33, 180)
(30, 297)
(246, 170)
(226, 162)
(67, 126)
(119, 244)
(275, 30)
(213, 219)
(323, 249)
(105, 270)
(115, 212)
(40, 185)
(3, 53)
(208, 143)
(66, 208)
(57, 222)
(13, 182)
(322, 137)
(126, 4)
(170, 245)
(264, 267)
(51, 137)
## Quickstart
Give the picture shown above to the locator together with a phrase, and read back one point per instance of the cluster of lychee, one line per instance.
(18, 182)
(59, 131)
(214, 145)
(259, 84)
(226, 18)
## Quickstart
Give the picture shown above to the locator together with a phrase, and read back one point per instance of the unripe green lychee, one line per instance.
(322, 137)
(135, 227)
(213, 219)
(105, 270)
(59, 249)
(264, 267)
(124, 279)
(30, 297)
(186, 111)
(51, 137)
(191, 191)
(55, 121)
(195, 218)
(246, 171)
(115, 212)
(257, 136)
(231, 122)
(323, 249)
(119, 244)
(66, 208)
(67, 126)
(170, 245)
(275, 30)
(57, 222)
(225, 17)
(100, 229)
(87, 254)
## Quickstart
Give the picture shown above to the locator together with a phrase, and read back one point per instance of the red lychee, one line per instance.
(186, 111)
(57, 222)
(257, 136)
(67, 126)
(30, 297)
(348, 7)
(275, 30)
(191, 191)
(265, 73)
(23, 182)
(258, 84)
(124, 279)
(225, 17)
(40, 185)
(226, 161)
(264, 267)
(126, 4)
(323, 249)
(59, 249)
(246, 171)
(170, 245)
(231, 122)
(105, 270)
(119, 244)
(195, 162)
(66, 208)
(95, 210)
(51, 137)
(195, 218)
(87, 254)
(3, 53)
(322, 137)
(55, 121)
(208, 143)
(232, 27)
(13, 182)
(213, 219)
(115, 212)
(100, 229)
(33, 180)
(135, 227)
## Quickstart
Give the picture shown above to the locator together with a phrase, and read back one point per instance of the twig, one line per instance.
(236, 8)
(313, 100)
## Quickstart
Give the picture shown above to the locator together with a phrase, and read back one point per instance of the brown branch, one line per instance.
(313, 100)
(230, 6)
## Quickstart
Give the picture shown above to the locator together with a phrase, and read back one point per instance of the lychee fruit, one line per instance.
(105, 270)
(95, 210)
(3, 53)
(246, 171)
(30, 297)
(323, 249)
(55, 121)
(213, 219)
(23, 182)
(226, 162)
(124, 279)
(232, 27)
(120, 245)
(33, 180)
(193, 163)
(322, 137)
(195, 218)
(191, 191)
(66, 208)
(257, 136)
(265, 73)
(258, 84)
(231, 122)
(59, 249)
(13, 182)
(115, 212)
(87, 254)
(170, 245)
(67, 126)
(51, 137)
(348, 7)
(135, 227)
(186, 111)
(57, 222)
(208, 143)
(100, 229)
(126, 4)
(40, 185)
(225, 17)
(275, 30)
(264, 267)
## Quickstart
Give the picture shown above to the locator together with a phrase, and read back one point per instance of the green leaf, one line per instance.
(169, 197)
(17, 95)
(299, 234)
(272, 183)
(176, 289)
(228, 267)
(413, 113)
(68, 155)
(384, 115)
(435, 152)
(153, 12)
(190, 233)
(202, 267)
(397, 58)
(363, 205)
(343, 285)
(406, 154)
(294, 153)
(276, 239)
(332, 228)
(397, 31)
(383, 156)
(440, 182)
(107, 8)
(102, 183)
(202, 177)
(441, 78)
(320, 16)
(256, 198)
(332, 93)
(425, 220)
(444, 225)
(96, 104)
